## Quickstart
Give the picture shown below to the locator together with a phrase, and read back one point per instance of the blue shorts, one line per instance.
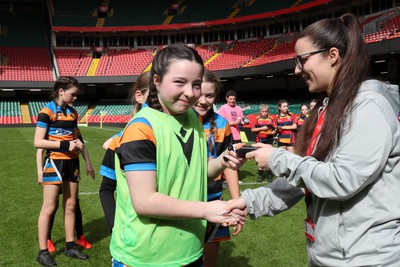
(55, 171)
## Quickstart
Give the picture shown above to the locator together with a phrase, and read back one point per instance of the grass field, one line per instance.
(277, 241)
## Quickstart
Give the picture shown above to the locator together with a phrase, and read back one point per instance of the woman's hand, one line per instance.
(261, 155)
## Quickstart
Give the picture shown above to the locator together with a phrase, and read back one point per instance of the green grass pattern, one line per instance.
(277, 241)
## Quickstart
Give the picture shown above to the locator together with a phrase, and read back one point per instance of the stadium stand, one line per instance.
(124, 62)
(283, 49)
(240, 53)
(128, 13)
(24, 50)
(205, 10)
(114, 113)
(384, 26)
(72, 61)
(28, 53)
(10, 112)
(259, 6)
(75, 12)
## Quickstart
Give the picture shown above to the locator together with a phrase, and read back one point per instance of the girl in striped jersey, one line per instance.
(265, 128)
(301, 119)
(57, 132)
(286, 125)
(81, 241)
(219, 137)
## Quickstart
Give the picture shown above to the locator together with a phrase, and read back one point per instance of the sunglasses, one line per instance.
(301, 59)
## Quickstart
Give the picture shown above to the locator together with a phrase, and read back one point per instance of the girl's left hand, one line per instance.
(90, 171)
(217, 212)
(231, 159)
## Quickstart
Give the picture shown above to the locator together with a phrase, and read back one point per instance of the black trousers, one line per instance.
(106, 192)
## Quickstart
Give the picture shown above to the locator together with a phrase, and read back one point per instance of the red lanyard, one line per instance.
(314, 139)
(316, 132)
(309, 225)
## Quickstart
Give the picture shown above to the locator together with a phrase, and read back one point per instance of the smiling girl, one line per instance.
(219, 137)
(162, 171)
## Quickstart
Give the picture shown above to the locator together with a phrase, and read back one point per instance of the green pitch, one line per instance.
(277, 241)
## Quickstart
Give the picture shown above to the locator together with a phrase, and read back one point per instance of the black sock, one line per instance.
(69, 245)
(41, 251)
(260, 173)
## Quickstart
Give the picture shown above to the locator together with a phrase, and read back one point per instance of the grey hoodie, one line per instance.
(355, 192)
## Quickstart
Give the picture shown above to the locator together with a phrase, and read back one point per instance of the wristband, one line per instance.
(64, 145)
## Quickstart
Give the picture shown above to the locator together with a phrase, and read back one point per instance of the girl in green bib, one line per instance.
(162, 169)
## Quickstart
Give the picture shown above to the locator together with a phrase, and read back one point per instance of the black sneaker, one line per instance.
(269, 179)
(45, 259)
(75, 253)
(260, 179)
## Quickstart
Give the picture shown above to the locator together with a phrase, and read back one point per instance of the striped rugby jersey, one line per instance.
(60, 124)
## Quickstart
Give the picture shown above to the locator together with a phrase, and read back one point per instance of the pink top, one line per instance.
(231, 114)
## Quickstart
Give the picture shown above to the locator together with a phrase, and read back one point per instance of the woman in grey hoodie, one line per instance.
(347, 155)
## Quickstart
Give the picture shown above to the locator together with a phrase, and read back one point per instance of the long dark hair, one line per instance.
(345, 34)
(161, 63)
(210, 77)
(142, 85)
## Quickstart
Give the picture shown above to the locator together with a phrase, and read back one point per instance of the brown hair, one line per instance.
(343, 33)
(161, 63)
(142, 85)
(280, 102)
(64, 82)
(210, 77)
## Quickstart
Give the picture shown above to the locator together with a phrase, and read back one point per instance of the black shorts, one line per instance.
(268, 141)
(58, 170)
(283, 144)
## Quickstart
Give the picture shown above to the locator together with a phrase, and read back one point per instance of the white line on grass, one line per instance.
(88, 193)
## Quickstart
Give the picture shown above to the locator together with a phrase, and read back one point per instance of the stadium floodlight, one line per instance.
(7, 90)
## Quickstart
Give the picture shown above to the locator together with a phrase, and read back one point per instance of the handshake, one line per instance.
(227, 213)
